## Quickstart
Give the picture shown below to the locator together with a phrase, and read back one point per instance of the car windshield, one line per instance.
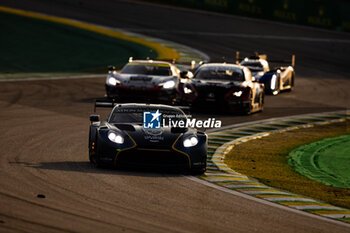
(147, 69)
(229, 73)
(136, 115)
(253, 65)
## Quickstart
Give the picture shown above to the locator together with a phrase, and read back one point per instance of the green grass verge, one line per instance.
(33, 46)
(327, 161)
(266, 160)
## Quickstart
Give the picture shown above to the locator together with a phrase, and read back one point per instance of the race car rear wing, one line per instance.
(104, 103)
(264, 57)
(182, 65)
(191, 64)
(110, 103)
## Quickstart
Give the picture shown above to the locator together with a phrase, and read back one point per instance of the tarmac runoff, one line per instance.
(221, 143)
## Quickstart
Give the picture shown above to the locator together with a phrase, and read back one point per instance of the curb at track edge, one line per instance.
(221, 177)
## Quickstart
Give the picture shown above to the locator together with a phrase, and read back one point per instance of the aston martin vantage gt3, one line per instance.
(139, 135)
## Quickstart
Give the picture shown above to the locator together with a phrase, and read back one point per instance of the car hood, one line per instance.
(218, 83)
(142, 80)
(163, 138)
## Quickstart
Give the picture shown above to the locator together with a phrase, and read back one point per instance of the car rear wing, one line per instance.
(182, 65)
(104, 103)
(264, 56)
(187, 65)
(110, 103)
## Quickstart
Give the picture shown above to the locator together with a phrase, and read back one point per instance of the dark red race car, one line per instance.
(228, 86)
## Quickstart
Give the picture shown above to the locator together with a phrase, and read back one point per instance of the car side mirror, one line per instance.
(112, 68)
(186, 74)
(94, 118)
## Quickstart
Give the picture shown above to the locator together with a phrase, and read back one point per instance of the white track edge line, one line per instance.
(265, 202)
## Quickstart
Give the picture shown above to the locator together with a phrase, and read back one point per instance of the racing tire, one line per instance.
(93, 158)
(261, 102)
(94, 162)
(198, 171)
(292, 80)
(247, 110)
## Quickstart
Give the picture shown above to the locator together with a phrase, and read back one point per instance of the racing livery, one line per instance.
(275, 80)
(228, 86)
(144, 81)
(139, 135)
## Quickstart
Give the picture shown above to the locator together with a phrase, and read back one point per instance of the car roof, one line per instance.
(222, 65)
(151, 62)
(147, 106)
(253, 59)
(262, 61)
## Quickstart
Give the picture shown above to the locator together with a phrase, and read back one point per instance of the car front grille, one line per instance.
(136, 78)
(152, 158)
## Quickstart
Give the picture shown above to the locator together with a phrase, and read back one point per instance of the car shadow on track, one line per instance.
(86, 167)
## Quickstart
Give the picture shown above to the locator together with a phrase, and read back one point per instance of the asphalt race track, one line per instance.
(45, 130)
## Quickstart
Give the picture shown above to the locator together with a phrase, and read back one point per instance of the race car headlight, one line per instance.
(191, 141)
(273, 82)
(237, 93)
(187, 90)
(112, 81)
(169, 84)
(116, 138)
